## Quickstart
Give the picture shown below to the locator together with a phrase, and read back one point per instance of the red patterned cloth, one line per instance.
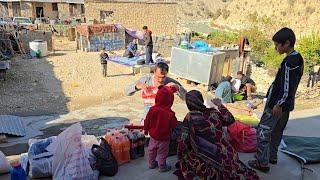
(203, 149)
(87, 30)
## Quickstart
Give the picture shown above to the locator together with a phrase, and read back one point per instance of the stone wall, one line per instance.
(27, 9)
(10, 11)
(25, 38)
(48, 12)
(160, 17)
(161, 44)
(164, 44)
(63, 11)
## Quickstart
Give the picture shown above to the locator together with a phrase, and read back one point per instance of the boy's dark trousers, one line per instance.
(269, 135)
(104, 69)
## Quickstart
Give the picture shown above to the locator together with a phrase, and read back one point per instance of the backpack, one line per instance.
(242, 137)
(106, 162)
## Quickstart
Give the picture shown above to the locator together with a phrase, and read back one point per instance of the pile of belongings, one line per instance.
(70, 155)
(240, 132)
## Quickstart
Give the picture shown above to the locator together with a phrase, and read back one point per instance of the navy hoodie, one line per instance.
(284, 87)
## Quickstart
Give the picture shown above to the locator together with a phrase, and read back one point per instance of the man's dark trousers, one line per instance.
(149, 50)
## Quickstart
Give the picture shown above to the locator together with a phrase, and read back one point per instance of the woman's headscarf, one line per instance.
(195, 102)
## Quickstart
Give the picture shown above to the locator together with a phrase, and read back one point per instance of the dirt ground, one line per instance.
(67, 80)
(64, 81)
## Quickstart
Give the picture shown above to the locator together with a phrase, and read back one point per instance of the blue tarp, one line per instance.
(125, 60)
(202, 46)
(306, 149)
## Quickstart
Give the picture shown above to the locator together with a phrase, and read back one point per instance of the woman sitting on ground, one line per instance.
(132, 49)
(224, 90)
(203, 150)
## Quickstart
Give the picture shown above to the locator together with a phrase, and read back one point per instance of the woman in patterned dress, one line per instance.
(203, 149)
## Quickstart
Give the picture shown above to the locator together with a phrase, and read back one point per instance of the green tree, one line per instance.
(271, 58)
(309, 47)
(258, 40)
(220, 38)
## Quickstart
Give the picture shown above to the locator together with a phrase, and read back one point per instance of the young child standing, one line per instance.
(280, 101)
(103, 59)
(159, 123)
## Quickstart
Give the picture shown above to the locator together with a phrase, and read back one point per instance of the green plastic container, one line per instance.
(184, 45)
(38, 53)
(238, 97)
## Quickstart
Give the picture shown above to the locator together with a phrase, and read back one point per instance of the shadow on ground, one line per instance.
(95, 127)
(58, 54)
(117, 75)
(32, 89)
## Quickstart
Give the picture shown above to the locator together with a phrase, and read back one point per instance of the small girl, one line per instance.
(103, 60)
(159, 123)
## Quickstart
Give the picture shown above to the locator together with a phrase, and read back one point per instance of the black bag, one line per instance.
(175, 135)
(106, 162)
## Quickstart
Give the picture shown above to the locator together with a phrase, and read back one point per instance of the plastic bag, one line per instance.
(69, 157)
(40, 168)
(201, 46)
(105, 161)
(89, 140)
(242, 137)
(24, 161)
(37, 147)
(40, 160)
(4, 164)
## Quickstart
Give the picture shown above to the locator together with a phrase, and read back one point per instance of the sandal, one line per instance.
(256, 165)
(273, 161)
(153, 165)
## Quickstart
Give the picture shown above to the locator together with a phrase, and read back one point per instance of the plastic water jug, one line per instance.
(17, 173)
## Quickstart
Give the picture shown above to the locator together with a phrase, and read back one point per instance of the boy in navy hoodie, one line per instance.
(280, 101)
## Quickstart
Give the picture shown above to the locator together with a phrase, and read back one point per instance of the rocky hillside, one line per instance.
(301, 15)
(200, 9)
(193, 11)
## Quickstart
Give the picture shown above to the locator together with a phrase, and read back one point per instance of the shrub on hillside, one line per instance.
(216, 14)
(225, 13)
(259, 41)
(309, 47)
(283, 13)
(253, 17)
(271, 58)
(310, 10)
(220, 38)
(291, 2)
(263, 48)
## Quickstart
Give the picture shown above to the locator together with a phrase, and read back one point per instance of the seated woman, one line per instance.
(203, 150)
(224, 90)
(132, 49)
